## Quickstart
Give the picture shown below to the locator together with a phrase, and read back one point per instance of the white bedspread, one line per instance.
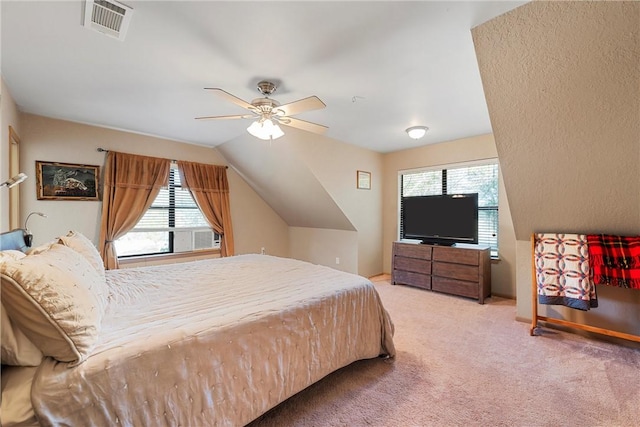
(216, 342)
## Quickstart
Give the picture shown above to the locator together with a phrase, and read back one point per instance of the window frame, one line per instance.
(448, 166)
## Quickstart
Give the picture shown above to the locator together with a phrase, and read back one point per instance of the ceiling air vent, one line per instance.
(108, 17)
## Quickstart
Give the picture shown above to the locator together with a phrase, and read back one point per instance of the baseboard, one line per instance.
(505, 296)
(382, 277)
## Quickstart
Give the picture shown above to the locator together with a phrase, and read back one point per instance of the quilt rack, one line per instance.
(575, 325)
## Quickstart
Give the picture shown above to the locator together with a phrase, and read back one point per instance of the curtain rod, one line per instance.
(102, 150)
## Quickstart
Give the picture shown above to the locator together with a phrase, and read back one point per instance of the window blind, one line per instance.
(173, 208)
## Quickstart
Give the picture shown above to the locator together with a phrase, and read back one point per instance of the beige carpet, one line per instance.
(460, 363)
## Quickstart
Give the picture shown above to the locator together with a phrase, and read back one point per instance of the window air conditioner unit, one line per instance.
(193, 240)
(203, 239)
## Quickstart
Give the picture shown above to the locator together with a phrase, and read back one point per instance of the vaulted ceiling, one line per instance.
(379, 67)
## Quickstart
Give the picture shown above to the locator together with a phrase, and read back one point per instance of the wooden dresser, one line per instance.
(463, 271)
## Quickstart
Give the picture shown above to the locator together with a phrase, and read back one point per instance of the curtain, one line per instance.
(131, 184)
(210, 189)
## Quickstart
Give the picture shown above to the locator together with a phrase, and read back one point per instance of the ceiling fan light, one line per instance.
(276, 132)
(267, 126)
(417, 132)
(255, 129)
(265, 129)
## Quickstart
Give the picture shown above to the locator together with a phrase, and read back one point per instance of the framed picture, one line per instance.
(67, 181)
(363, 180)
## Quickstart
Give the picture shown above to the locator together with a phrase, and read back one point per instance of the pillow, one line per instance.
(80, 243)
(11, 255)
(57, 299)
(16, 348)
(42, 248)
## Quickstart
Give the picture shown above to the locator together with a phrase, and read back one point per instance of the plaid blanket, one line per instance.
(614, 260)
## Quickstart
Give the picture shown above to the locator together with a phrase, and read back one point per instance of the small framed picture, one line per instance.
(363, 180)
(67, 181)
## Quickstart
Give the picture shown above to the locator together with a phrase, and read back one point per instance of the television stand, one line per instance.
(463, 270)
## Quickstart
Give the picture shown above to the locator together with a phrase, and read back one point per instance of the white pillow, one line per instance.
(42, 248)
(57, 299)
(15, 347)
(80, 243)
(11, 255)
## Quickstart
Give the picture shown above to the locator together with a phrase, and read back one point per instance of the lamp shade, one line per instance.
(14, 181)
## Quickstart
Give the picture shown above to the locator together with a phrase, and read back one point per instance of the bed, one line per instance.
(213, 342)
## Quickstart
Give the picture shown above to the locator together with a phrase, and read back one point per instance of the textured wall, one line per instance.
(562, 82)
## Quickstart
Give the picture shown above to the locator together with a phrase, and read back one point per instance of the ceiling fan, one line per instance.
(269, 114)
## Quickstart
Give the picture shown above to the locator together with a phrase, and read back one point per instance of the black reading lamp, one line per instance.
(28, 237)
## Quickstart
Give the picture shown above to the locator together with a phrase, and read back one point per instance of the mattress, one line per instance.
(214, 342)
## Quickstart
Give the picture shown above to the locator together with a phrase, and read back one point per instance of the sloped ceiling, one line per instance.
(380, 66)
(562, 83)
(275, 172)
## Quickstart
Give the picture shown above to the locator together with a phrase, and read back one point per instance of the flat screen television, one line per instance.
(441, 220)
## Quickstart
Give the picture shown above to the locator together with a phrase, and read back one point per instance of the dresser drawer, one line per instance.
(456, 271)
(412, 250)
(456, 287)
(463, 271)
(413, 279)
(412, 264)
(456, 255)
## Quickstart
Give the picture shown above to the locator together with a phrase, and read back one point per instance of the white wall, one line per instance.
(310, 180)
(334, 248)
(9, 116)
(463, 150)
(335, 165)
(255, 224)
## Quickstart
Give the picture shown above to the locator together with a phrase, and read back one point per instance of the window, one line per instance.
(477, 178)
(173, 223)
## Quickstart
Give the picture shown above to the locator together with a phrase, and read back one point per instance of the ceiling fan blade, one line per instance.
(237, 116)
(304, 125)
(229, 97)
(302, 105)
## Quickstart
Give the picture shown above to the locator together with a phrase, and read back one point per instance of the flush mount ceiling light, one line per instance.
(417, 132)
(265, 129)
